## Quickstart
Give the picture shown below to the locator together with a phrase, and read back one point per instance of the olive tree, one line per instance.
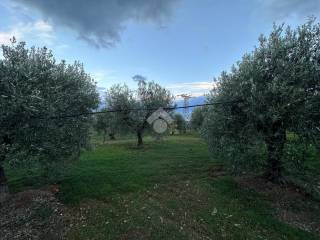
(103, 125)
(108, 124)
(274, 89)
(197, 118)
(35, 93)
(180, 123)
(135, 106)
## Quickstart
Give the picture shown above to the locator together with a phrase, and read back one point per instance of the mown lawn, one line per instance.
(166, 191)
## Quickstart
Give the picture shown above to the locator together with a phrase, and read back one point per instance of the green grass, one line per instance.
(162, 191)
(122, 168)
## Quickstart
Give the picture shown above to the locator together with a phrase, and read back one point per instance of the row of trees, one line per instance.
(110, 125)
(271, 91)
(35, 91)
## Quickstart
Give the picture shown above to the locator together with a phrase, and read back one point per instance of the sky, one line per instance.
(181, 44)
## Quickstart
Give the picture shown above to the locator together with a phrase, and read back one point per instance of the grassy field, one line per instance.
(170, 190)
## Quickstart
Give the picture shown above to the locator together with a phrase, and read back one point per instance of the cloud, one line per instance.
(196, 89)
(99, 76)
(282, 9)
(102, 93)
(102, 75)
(40, 31)
(100, 22)
(5, 37)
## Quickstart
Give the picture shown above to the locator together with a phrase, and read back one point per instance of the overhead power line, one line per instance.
(132, 109)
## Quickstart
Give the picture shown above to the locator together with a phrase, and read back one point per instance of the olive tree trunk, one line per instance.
(104, 137)
(112, 136)
(275, 144)
(139, 136)
(4, 191)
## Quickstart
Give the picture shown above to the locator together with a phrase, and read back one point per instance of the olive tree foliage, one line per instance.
(197, 118)
(34, 91)
(180, 123)
(135, 106)
(275, 89)
(108, 124)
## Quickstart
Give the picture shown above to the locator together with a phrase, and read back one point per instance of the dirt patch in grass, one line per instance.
(33, 214)
(293, 205)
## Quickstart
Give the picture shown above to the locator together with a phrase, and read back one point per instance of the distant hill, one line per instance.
(192, 101)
